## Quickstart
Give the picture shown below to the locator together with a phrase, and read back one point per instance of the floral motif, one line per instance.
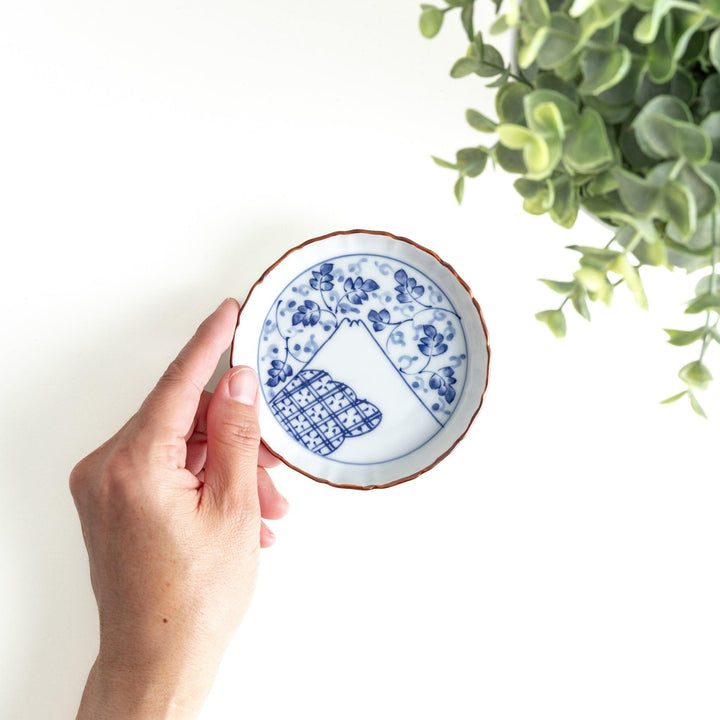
(379, 320)
(431, 343)
(442, 381)
(407, 287)
(307, 314)
(357, 290)
(322, 279)
(279, 372)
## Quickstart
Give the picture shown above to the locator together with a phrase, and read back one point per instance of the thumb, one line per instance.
(233, 440)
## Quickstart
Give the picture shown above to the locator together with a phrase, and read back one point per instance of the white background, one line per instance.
(155, 157)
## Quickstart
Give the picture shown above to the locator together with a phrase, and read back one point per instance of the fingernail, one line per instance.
(243, 386)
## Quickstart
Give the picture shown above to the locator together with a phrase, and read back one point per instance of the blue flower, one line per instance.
(279, 372)
(407, 288)
(307, 314)
(432, 342)
(357, 290)
(379, 319)
(322, 280)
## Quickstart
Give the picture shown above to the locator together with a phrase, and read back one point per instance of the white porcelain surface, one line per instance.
(371, 355)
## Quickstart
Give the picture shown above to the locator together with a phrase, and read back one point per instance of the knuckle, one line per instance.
(79, 476)
(245, 429)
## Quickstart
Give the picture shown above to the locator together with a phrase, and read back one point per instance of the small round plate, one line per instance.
(372, 357)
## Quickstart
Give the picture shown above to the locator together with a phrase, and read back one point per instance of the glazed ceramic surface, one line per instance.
(372, 358)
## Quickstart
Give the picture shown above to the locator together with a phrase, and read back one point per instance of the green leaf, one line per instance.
(459, 189)
(660, 61)
(705, 285)
(431, 20)
(578, 298)
(545, 120)
(562, 41)
(588, 148)
(529, 49)
(567, 108)
(471, 161)
(510, 160)
(444, 163)
(509, 103)
(536, 152)
(703, 303)
(695, 405)
(539, 195)
(566, 204)
(685, 337)
(465, 66)
(664, 128)
(624, 267)
(480, 122)
(674, 398)
(714, 49)
(536, 11)
(555, 320)
(696, 375)
(603, 68)
(680, 207)
(596, 283)
(490, 62)
(711, 126)
(466, 17)
(564, 288)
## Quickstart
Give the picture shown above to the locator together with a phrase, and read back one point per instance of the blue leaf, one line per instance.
(435, 382)
(440, 349)
(325, 285)
(425, 350)
(419, 291)
(447, 371)
(450, 394)
(288, 370)
(297, 318)
(401, 277)
(370, 285)
(385, 316)
(314, 283)
(277, 364)
(430, 330)
(411, 283)
(348, 285)
(272, 382)
(403, 297)
(326, 268)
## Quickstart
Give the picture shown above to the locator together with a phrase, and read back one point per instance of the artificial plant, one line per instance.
(613, 106)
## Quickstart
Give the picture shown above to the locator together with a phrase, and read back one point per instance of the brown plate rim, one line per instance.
(399, 238)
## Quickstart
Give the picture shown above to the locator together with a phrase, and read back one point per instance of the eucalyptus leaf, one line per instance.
(588, 148)
(685, 337)
(480, 122)
(603, 68)
(431, 20)
(555, 320)
(696, 375)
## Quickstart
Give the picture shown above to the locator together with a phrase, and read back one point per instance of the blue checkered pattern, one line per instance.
(320, 412)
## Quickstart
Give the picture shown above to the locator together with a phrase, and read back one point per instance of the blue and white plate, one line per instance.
(372, 357)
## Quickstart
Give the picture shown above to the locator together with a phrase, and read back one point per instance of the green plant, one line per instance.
(614, 106)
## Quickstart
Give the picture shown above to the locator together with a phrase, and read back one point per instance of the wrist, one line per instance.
(142, 691)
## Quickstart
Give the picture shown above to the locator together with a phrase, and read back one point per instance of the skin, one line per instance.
(170, 509)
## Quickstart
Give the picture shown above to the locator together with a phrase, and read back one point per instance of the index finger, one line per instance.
(170, 408)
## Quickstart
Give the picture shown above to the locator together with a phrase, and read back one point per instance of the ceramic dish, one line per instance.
(372, 357)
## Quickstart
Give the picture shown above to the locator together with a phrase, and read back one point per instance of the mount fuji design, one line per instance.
(351, 404)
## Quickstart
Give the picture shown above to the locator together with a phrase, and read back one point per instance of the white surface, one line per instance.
(406, 442)
(155, 157)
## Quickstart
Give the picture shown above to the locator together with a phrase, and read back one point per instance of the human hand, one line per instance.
(170, 510)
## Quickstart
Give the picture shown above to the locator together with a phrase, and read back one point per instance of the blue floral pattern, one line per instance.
(411, 318)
